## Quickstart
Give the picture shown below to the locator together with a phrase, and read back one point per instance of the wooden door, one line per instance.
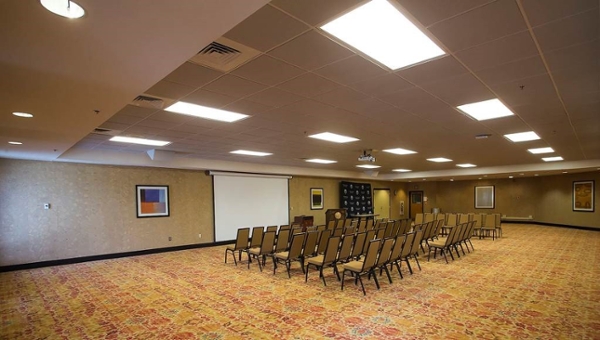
(381, 202)
(416, 203)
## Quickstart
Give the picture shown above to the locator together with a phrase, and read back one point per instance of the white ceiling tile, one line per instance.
(532, 90)
(459, 90)
(569, 31)
(585, 55)
(275, 97)
(193, 75)
(167, 89)
(234, 86)
(308, 84)
(429, 12)
(351, 70)
(267, 70)
(433, 70)
(315, 12)
(382, 85)
(542, 11)
(247, 107)
(512, 71)
(208, 98)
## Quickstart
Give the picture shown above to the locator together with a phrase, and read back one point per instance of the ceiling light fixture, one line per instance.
(488, 109)
(332, 137)
(451, 180)
(22, 114)
(466, 165)
(368, 166)
(141, 141)
(400, 151)
(320, 161)
(205, 112)
(522, 136)
(380, 31)
(510, 176)
(552, 159)
(402, 170)
(251, 153)
(15, 143)
(64, 8)
(439, 160)
(540, 150)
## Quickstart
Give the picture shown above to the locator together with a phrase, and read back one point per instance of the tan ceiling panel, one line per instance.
(309, 84)
(433, 70)
(532, 90)
(383, 85)
(343, 97)
(483, 24)
(459, 90)
(247, 107)
(497, 52)
(234, 86)
(584, 55)
(351, 70)
(193, 75)
(573, 83)
(136, 111)
(114, 126)
(569, 31)
(265, 29)
(170, 117)
(585, 110)
(415, 100)
(309, 107)
(429, 12)
(542, 11)
(167, 89)
(267, 70)
(274, 97)
(208, 98)
(512, 71)
(316, 12)
(124, 119)
(506, 125)
(159, 124)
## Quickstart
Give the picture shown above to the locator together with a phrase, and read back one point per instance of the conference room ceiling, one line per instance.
(539, 57)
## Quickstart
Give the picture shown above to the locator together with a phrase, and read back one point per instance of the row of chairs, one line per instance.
(485, 224)
(458, 235)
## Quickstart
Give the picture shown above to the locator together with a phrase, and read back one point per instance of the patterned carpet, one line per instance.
(536, 282)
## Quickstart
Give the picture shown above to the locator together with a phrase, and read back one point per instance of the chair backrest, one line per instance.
(408, 243)
(440, 216)
(380, 233)
(490, 221)
(380, 225)
(268, 242)
(416, 242)
(362, 226)
(451, 219)
(463, 218)
(396, 227)
(321, 227)
(370, 224)
(498, 220)
(371, 234)
(419, 218)
(451, 239)
(359, 243)
(338, 231)
(371, 254)
(346, 247)
(282, 240)
(296, 246)
(388, 230)
(478, 218)
(332, 250)
(296, 230)
(404, 225)
(397, 249)
(285, 227)
(325, 235)
(257, 236)
(241, 240)
(349, 230)
(386, 251)
(331, 224)
(347, 222)
(310, 244)
(272, 228)
(436, 229)
(427, 217)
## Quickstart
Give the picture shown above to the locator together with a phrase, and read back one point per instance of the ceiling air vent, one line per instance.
(224, 55)
(149, 102)
(105, 132)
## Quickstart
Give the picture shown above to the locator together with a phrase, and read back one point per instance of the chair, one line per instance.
(321, 227)
(330, 224)
(370, 224)
(396, 227)
(327, 259)
(380, 233)
(310, 246)
(462, 218)
(345, 251)
(362, 226)
(360, 268)
(293, 254)
(489, 226)
(443, 244)
(498, 224)
(427, 217)
(384, 256)
(241, 243)
(388, 230)
(322, 244)
(255, 241)
(338, 232)
(404, 226)
(282, 240)
(359, 243)
(395, 253)
(272, 228)
(371, 234)
(414, 250)
(265, 249)
(406, 247)
(350, 230)
(419, 218)
(285, 227)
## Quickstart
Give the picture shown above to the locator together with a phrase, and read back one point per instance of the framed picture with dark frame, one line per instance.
(316, 199)
(583, 196)
(485, 197)
(152, 200)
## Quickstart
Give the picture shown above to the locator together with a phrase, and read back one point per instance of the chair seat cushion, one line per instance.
(282, 255)
(440, 243)
(254, 251)
(355, 266)
(318, 260)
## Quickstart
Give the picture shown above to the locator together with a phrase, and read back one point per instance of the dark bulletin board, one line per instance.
(356, 198)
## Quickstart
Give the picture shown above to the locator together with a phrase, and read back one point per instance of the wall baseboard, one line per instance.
(553, 225)
(61, 262)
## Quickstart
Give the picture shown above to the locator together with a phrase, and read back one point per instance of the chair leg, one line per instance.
(450, 252)
(306, 273)
(409, 266)
(226, 256)
(446, 257)
(418, 264)
(361, 284)
(322, 276)
(471, 244)
(387, 272)
(343, 277)
(375, 277)
(399, 272)
(288, 264)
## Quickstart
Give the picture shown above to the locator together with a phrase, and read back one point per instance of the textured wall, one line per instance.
(93, 210)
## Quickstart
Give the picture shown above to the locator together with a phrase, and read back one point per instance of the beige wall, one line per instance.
(93, 210)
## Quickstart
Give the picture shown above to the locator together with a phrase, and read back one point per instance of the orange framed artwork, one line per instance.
(583, 196)
(152, 200)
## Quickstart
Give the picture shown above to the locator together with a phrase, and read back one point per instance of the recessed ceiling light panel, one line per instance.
(320, 161)
(552, 159)
(15, 143)
(488, 109)
(251, 153)
(439, 160)
(402, 170)
(142, 141)
(64, 8)
(380, 31)
(541, 150)
(368, 166)
(466, 165)
(399, 151)
(332, 137)
(205, 112)
(522, 136)
(23, 114)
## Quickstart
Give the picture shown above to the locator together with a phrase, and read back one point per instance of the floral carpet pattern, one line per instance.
(536, 282)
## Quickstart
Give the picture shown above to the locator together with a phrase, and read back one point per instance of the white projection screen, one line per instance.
(246, 200)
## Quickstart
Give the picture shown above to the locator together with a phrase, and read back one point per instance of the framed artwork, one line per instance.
(316, 198)
(401, 208)
(484, 197)
(583, 196)
(152, 200)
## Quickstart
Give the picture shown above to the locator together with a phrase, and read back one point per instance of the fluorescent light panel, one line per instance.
(399, 151)
(488, 109)
(205, 112)
(23, 114)
(522, 136)
(320, 161)
(402, 170)
(466, 165)
(380, 31)
(332, 137)
(552, 159)
(142, 141)
(439, 160)
(251, 153)
(15, 143)
(368, 166)
(541, 150)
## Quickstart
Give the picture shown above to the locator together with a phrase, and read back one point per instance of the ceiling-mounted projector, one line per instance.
(366, 157)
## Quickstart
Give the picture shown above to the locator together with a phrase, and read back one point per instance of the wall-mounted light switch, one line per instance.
(46, 206)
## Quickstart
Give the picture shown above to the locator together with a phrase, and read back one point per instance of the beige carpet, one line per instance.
(536, 282)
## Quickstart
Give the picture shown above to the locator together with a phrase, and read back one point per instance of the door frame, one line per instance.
(410, 201)
(389, 201)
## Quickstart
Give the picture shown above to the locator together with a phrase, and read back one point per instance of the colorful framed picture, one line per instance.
(152, 200)
(583, 196)
(316, 198)
(484, 197)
